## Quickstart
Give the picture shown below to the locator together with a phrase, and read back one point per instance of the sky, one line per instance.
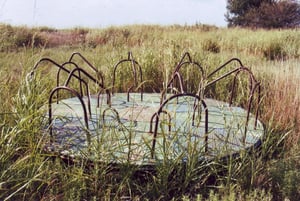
(104, 13)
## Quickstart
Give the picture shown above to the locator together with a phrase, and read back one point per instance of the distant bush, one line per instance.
(211, 46)
(13, 38)
(274, 51)
(111, 35)
(24, 37)
(205, 27)
(46, 29)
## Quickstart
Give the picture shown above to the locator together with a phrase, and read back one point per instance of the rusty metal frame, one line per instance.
(155, 115)
(254, 86)
(75, 93)
(161, 110)
(176, 76)
(81, 81)
(80, 70)
(47, 60)
(176, 73)
(114, 111)
(99, 74)
(58, 76)
(254, 90)
(165, 90)
(134, 63)
(60, 67)
(224, 65)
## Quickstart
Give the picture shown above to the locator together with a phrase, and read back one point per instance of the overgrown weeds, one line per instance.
(26, 173)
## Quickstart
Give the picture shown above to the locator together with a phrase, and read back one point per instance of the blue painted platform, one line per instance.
(123, 132)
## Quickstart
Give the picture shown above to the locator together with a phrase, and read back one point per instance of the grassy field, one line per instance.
(272, 173)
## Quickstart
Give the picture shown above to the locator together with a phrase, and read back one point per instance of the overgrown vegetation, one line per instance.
(271, 174)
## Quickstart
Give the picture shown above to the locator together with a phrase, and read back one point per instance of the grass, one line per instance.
(271, 174)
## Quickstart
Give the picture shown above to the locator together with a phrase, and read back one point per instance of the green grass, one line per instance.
(273, 56)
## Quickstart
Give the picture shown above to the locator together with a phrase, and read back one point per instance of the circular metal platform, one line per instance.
(145, 133)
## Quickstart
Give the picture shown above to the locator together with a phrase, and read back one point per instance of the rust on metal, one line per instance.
(136, 112)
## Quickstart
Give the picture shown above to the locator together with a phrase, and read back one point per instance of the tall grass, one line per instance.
(27, 174)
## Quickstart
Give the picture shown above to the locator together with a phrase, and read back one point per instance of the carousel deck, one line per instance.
(127, 130)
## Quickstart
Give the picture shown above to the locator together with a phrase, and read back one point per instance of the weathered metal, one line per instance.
(215, 124)
(161, 109)
(134, 65)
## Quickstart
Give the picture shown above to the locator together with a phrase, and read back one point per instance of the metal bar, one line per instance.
(157, 114)
(99, 74)
(114, 111)
(233, 86)
(94, 80)
(179, 77)
(76, 66)
(81, 81)
(181, 64)
(74, 92)
(223, 76)
(60, 67)
(48, 60)
(108, 100)
(258, 87)
(154, 115)
(133, 64)
(186, 54)
(128, 91)
(225, 64)
(205, 121)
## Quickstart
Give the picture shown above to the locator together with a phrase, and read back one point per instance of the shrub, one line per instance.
(13, 38)
(275, 51)
(286, 178)
(211, 46)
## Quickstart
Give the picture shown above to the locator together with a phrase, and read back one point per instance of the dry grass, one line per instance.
(282, 97)
(157, 49)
